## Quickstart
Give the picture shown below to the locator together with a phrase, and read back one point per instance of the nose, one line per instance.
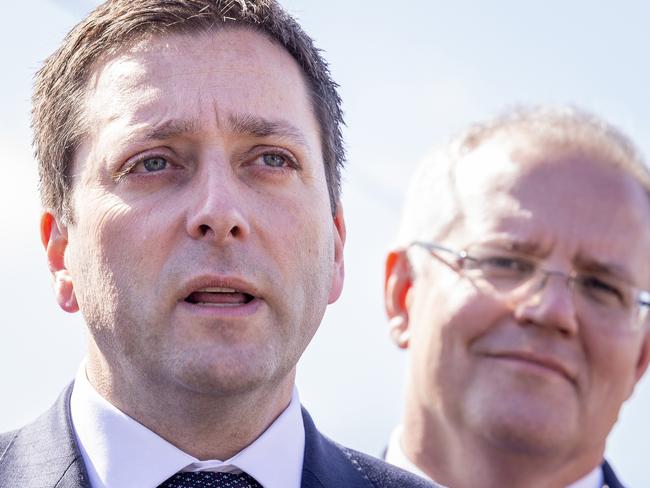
(217, 208)
(549, 304)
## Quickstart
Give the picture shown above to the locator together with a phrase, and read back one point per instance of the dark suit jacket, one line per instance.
(611, 481)
(609, 477)
(44, 454)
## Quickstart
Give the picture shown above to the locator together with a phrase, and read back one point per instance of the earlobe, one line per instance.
(339, 264)
(397, 285)
(399, 331)
(54, 236)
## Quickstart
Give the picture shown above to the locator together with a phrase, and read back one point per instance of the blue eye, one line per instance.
(154, 164)
(274, 160)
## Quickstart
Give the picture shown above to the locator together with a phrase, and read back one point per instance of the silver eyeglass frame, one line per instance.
(642, 297)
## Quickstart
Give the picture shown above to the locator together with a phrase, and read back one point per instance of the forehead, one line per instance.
(205, 75)
(556, 199)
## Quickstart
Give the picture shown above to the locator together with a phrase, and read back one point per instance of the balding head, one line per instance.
(433, 207)
(520, 288)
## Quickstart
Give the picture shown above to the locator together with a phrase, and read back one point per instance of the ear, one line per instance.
(397, 283)
(54, 236)
(339, 266)
(642, 361)
(644, 356)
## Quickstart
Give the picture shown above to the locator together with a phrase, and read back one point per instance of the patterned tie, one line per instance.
(210, 479)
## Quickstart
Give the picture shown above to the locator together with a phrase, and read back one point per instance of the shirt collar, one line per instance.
(592, 480)
(396, 456)
(120, 452)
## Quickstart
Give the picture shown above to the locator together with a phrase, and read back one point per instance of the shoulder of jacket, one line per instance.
(6, 438)
(382, 474)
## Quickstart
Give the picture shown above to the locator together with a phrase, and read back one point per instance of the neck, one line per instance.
(462, 459)
(210, 425)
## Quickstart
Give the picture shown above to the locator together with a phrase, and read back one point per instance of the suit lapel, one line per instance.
(609, 477)
(326, 464)
(44, 453)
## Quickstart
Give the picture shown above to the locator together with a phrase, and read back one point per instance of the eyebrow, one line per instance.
(256, 126)
(244, 124)
(582, 262)
(515, 245)
(587, 263)
(173, 128)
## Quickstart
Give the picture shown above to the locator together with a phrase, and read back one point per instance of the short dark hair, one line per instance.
(61, 83)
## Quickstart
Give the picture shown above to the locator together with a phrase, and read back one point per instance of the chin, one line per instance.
(526, 431)
(226, 374)
(528, 440)
(524, 423)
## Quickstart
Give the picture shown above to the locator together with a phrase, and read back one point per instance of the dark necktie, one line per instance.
(209, 479)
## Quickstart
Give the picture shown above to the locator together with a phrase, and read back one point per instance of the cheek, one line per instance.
(612, 364)
(444, 327)
(110, 238)
(455, 308)
(301, 225)
(611, 369)
(138, 232)
(304, 255)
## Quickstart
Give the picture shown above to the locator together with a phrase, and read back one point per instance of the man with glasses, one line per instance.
(519, 285)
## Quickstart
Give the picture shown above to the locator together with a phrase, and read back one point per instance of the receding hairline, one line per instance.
(563, 129)
(542, 130)
(140, 41)
(534, 148)
(141, 44)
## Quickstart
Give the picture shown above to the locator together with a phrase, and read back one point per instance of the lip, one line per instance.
(548, 363)
(197, 310)
(216, 281)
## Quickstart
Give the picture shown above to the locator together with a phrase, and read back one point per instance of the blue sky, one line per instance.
(411, 74)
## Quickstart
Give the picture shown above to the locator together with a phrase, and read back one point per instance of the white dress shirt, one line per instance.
(119, 452)
(396, 456)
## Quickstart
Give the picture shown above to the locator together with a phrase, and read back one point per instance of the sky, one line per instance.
(411, 75)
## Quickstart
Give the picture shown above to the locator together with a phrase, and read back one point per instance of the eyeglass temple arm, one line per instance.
(432, 246)
(644, 298)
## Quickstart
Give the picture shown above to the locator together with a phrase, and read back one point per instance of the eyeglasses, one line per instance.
(601, 299)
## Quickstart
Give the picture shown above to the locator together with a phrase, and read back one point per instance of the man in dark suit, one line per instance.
(189, 155)
(519, 286)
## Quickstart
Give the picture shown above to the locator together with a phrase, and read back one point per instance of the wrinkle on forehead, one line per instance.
(127, 73)
(578, 208)
(129, 92)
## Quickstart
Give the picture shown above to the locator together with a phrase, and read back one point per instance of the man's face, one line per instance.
(203, 250)
(533, 375)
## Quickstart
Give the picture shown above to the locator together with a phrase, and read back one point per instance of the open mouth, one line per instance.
(219, 297)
